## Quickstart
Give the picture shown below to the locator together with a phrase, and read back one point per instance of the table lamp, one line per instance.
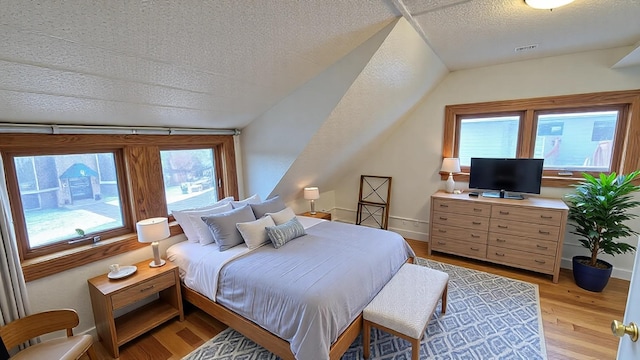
(312, 194)
(450, 165)
(153, 230)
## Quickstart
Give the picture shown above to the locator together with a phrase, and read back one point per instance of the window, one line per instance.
(492, 137)
(101, 185)
(577, 141)
(573, 133)
(189, 178)
(62, 193)
(66, 200)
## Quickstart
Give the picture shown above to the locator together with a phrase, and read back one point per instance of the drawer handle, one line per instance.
(540, 261)
(476, 209)
(503, 226)
(542, 247)
(442, 231)
(499, 254)
(443, 205)
(475, 236)
(544, 232)
(546, 217)
(476, 223)
(504, 212)
(147, 288)
(441, 243)
(501, 240)
(475, 249)
(443, 218)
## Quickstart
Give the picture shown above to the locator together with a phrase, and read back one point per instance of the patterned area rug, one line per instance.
(488, 317)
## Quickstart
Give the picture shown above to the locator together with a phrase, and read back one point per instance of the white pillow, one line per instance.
(182, 217)
(253, 199)
(254, 233)
(282, 216)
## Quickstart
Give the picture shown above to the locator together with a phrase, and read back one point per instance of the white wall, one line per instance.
(272, 142)
(412, 155)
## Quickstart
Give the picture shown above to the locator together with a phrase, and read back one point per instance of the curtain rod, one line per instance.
(111, 130)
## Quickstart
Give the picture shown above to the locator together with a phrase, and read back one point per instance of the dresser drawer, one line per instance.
(536, 216)
(478, 251)
(143, 290)
(521, 259)
(523, 229)
(537, 246)
(462, 207)
(463, 221)
(456, 233)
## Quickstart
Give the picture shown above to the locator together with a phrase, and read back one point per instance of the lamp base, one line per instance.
(153, 263)
(157, 262)
(313, 207)
(450, 184)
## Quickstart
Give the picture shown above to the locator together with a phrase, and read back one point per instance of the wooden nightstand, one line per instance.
(108, 295)
(318, 215)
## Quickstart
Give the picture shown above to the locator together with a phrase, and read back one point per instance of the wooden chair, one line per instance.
(70, 347)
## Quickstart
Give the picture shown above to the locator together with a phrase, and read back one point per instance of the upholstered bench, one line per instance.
(405, 304)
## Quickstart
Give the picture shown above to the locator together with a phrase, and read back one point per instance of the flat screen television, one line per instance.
(506, 176)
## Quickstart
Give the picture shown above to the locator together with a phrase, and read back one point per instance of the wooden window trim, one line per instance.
(16, 202)
(141, 158)
(627, 148)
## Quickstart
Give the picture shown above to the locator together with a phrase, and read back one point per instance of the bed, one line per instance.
(303, 300)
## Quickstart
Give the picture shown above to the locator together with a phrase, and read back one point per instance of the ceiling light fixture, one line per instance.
(547, 4)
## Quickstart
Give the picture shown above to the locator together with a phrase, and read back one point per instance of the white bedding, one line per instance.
(198, 262)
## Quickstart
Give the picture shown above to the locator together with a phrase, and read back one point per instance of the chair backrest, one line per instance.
(29, 327)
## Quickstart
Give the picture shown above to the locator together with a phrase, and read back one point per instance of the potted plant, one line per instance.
(598, 209)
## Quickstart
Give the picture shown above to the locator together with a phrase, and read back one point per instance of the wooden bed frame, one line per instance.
(261, 336)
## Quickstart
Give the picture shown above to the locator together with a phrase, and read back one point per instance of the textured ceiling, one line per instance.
(473, 33)
(222, 63)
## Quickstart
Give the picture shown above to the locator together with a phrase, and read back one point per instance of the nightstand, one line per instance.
(318, 215)
(108, 295)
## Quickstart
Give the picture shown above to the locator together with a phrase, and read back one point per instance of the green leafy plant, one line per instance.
(598, 209)
(80, 232)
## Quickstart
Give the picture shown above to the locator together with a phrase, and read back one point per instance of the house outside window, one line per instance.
(189, 178)
(68, 198)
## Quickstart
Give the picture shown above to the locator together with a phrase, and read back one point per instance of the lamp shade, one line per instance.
(450, 165)
(311, 193)
(547, 4)
(153, 229)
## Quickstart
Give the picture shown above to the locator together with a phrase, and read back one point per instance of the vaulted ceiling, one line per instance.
(223, 63)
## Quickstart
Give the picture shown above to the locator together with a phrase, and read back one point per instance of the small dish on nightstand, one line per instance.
(123, 272)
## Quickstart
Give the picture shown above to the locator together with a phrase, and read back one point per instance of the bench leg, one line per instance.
(366, 338)
(415, 349)
(444, 299)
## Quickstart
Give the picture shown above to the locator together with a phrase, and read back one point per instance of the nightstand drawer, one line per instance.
(143, 290)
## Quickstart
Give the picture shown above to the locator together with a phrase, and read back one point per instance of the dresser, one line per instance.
(526, 234)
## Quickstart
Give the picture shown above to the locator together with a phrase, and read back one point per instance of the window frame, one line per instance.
(626, 152)
(19, 221)
(217, 162)
(141, 158)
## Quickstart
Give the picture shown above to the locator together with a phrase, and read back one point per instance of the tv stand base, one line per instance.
(502, 195)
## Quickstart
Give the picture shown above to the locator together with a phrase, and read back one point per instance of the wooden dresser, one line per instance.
(526, 234)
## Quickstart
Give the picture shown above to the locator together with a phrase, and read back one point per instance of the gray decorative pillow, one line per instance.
(223, 226)
(272, 205)
(282, 234)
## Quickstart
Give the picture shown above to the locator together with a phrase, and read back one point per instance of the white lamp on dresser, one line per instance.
(451, 166)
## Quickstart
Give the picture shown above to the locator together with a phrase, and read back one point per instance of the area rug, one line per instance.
(488, 317)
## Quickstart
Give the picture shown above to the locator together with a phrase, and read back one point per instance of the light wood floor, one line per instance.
(576, 322)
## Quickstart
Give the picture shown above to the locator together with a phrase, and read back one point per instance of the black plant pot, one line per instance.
(588, 277)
